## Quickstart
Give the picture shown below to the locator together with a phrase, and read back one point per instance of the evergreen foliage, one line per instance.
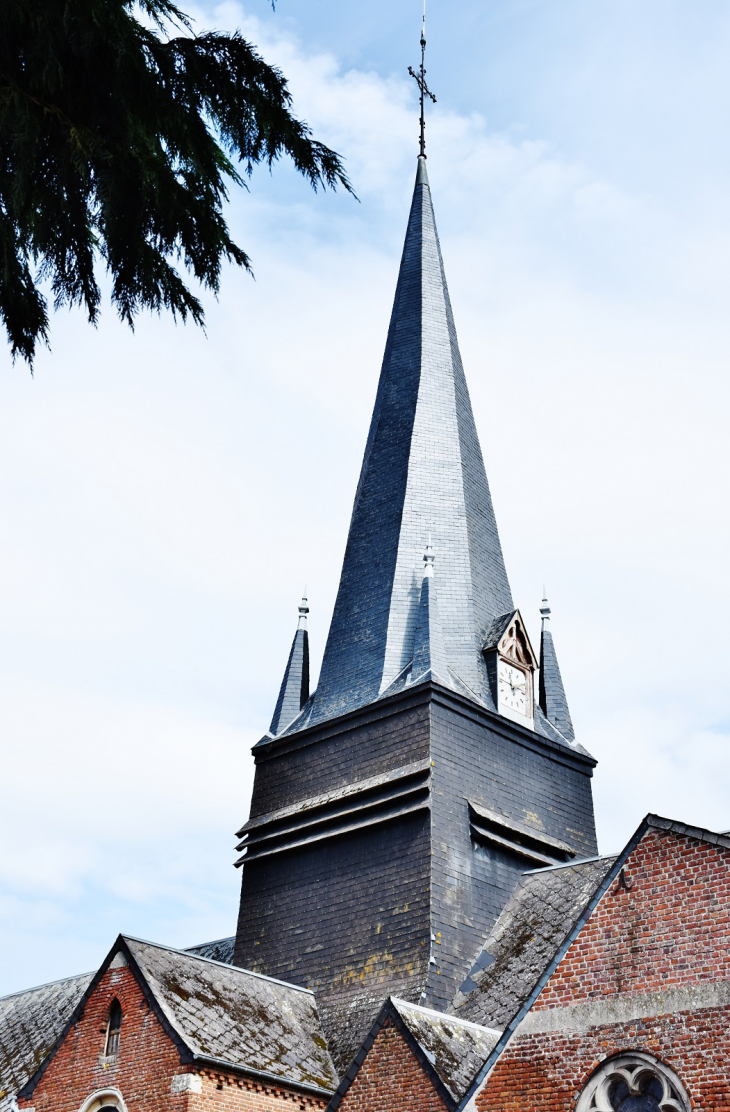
(120, 131)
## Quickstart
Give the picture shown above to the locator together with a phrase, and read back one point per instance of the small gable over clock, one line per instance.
(511, 665)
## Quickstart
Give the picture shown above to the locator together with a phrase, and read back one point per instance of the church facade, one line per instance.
(425, 920)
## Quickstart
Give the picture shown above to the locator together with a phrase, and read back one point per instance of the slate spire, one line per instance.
(429, 653)
(422, 471)
(553, 702)
(294, 690)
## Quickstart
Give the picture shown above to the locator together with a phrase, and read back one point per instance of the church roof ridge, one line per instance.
(570, 864)
(213, 961)
(452, 1018)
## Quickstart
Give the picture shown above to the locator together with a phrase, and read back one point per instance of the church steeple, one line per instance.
(422, 471)
(294, 690)
(392, 818)
(553, 702)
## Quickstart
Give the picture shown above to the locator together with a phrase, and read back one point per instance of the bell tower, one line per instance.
(395, 809)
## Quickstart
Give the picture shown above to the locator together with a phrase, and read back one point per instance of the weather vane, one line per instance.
(420, 79)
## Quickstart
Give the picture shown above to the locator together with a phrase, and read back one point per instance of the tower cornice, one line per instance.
(429, 691)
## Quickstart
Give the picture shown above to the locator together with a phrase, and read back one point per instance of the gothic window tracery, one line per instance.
(634, 1082)
(513, 645)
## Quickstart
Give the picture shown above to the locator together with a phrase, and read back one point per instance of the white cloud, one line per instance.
(165, 496)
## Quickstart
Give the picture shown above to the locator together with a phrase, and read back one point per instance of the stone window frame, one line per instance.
(103, 1098)
(632, 1066)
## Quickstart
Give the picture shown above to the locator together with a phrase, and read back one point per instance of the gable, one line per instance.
(414, 1057)
(143, 1068)
(641, 989)
(573, 990)
(663, 923)
(546, 905)
(390, 1077)
(202, 1013)
(508, 635)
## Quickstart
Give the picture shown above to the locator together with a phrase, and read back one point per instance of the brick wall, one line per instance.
(649, 971)
(146, 1064)
(671, 928)
(391, 1078)
(547, 1072)
(225, 1092)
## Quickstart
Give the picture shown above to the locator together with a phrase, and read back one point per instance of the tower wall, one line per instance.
(344, 915)
(348, 902)
(381, 737)
(532, 782)
(358, 916)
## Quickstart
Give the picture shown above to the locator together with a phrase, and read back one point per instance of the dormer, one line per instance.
(511, 665)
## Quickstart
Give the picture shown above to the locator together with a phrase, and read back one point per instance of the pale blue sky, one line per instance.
(165, 495)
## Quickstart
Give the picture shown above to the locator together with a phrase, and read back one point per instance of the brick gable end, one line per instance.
(145, 1066)
(649, 971)
(668, 925)
(391, 1077)
(146, 1062)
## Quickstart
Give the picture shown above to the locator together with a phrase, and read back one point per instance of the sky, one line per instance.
(166, 494)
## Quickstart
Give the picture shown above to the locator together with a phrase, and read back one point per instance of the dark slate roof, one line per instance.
(545, 727)
(422, 474)
(429, 652)
(496, 629)
(237, 1018)
(455, 1047)
(552, 693)
(30, 1024)
(220, 950)
(543, 909)
(294, 690)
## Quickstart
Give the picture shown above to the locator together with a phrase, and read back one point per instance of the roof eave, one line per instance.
(264, 1075)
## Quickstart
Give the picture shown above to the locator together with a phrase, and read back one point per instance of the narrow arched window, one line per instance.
(113, 1028)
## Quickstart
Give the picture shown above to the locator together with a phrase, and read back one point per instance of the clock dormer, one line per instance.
(511, 665)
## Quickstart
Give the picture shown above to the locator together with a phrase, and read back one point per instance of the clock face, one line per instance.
(512, 684)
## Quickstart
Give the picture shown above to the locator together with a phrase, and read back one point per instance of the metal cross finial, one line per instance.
(420, 79)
